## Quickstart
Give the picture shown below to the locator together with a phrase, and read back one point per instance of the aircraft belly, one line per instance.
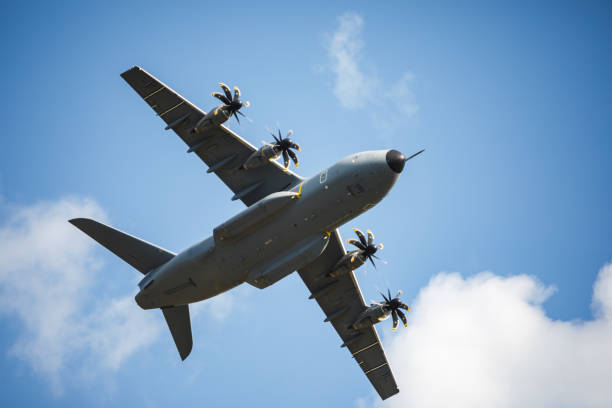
(294, 236)
(270, 239)
(196, 274)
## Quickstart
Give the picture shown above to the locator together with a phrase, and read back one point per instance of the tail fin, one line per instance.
(179, 324)
(140, 254)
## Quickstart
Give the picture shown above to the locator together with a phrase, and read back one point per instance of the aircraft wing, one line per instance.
(222, 150)
(342, 302)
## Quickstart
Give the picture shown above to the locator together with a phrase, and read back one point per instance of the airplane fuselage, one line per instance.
(279, 234)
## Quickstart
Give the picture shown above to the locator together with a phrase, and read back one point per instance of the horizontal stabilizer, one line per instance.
(140, 254)
(180, 327)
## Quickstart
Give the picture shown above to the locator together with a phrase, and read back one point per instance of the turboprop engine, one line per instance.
(213, 118)
(231, 106)
(264, 154)
(347, 263)
(272, 151)
(366, 250)
(377, 312)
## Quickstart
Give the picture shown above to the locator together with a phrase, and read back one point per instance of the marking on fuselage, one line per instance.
(323, 176)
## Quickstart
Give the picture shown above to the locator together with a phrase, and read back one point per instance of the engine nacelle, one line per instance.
(262, 156)
(345, 265)
(374, 314)
(215, 117)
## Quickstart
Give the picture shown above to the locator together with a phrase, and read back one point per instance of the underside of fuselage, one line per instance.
(274, 242)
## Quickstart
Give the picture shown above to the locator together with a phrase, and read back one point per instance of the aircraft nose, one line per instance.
(396, 161)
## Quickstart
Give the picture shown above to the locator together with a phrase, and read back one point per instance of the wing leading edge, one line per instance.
(220, 148)
(342, 302)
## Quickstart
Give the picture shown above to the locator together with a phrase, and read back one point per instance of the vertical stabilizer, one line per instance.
(179, 324)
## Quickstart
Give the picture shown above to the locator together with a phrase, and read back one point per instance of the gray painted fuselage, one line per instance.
(286, 238)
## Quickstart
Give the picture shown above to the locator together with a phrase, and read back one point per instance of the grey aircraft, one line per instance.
(290, 224)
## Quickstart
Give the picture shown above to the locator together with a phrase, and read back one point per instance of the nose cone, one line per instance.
(396, 161)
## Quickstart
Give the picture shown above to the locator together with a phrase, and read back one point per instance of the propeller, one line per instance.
(394, 305)
(284, 146)
(367, 249)
(232, 103)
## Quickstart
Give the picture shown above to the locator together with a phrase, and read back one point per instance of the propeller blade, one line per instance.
(361, 237)
(384, 297)
(414, 155)
(356, 243)
(275, 139)
(226, 90)
(295, 146)
(370, 237)
(402, 316)
(399, 292)
(246, 104)
(236, 93)
(241, 114)
(236, 116)
(286, 158)
(395, 320)
(389, 293)
(293, 157)
(405, 307)
(279, 135)
(289, 133)
(371, 260)
(222, 98)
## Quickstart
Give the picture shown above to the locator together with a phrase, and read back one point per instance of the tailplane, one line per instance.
(179, 324)
(142, 255)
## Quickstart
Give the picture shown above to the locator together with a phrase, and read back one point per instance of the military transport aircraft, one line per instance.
(290, 224)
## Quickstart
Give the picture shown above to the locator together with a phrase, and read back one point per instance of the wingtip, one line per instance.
(135, 67)
(77, 221)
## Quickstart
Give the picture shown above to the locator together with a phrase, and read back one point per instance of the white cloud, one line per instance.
(352, 88)
(219, 307)
(355, 88)
(47, 282)
(403, 95)
(486, 341)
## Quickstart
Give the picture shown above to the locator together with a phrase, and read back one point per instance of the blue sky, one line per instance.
(512, 102)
